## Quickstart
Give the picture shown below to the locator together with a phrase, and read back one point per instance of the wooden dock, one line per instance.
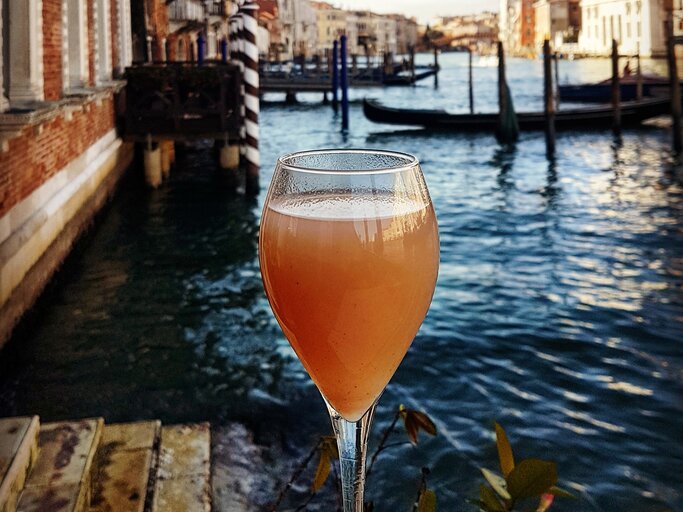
(87, 466)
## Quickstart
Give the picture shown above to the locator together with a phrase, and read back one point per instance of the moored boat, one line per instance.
(632, 114)
(601, 92)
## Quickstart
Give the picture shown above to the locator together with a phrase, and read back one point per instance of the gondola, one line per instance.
(601, 92)
(632, 114)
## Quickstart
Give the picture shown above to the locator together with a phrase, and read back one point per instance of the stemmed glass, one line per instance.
(349, 253)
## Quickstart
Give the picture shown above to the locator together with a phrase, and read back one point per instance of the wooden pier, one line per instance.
(87, 466)
(182, 101)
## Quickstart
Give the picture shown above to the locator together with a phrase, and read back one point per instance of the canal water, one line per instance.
(558, 310)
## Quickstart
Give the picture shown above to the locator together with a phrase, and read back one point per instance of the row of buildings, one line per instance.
(169, 29)
(305, 27)
(587, 27)
(479, 31)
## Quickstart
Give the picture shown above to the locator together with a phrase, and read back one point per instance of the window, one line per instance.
(628, 29)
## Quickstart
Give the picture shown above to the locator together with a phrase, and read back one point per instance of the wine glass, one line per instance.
(349, 253)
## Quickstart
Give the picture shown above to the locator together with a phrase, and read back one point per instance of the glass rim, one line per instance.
(408, 161)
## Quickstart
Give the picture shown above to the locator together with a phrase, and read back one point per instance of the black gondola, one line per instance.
(632, 114)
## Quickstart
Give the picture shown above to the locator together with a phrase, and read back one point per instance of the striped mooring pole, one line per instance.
(250, 58)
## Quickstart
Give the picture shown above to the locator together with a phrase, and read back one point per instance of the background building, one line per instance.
(556, 20)
(638, 26)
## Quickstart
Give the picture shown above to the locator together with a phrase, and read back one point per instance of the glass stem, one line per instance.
(352, 440)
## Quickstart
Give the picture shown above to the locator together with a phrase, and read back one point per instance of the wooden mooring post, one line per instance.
(616, 93)
(335, 76)
(436, 67)
(251, 97)
(508, 129)
(639, 77)
(344, 84)
(548, 102)
(470, 80)
(556, 90)
(675, 89)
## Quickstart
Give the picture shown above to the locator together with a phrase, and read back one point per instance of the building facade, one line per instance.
(60, 155)
(298, 25)
(559, 21)
(637, 25)
(331, 24)
(517, 25)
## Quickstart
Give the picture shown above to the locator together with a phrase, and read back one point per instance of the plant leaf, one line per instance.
(489, 500)
(321, 472)
(507, 461)
(546, 501)
(424, 422)
(497, 482)
(416, 420)
(427, 501)
(531, 477)
(329, 444)
(411, 426)
(560, 493)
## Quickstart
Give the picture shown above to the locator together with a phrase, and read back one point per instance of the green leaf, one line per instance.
(489, 500)
(427, 501)
(321, 472)
(507, 461)
(531, 477)
(497, 482)
(560, 493)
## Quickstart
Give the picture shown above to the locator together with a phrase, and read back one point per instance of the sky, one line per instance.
(423, 10)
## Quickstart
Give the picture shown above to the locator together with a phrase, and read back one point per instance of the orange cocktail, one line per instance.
(350, 279)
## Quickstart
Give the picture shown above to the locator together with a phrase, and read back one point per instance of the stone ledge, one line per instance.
(23, 115)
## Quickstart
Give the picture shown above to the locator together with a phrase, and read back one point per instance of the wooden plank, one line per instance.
(61, 478)
(124, 463)
(18, 453)
(183, 476)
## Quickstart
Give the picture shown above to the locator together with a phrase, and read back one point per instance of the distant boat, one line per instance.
(632, 114)
(601, 92)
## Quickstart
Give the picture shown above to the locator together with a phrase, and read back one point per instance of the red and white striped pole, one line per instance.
(250, 59)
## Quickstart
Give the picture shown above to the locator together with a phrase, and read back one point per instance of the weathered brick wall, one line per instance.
(52, 49)
(41, 151)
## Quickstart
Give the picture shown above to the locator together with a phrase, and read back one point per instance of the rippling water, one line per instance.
(558, 311)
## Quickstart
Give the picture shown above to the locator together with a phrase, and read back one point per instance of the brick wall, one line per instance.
(52, 49)
(41, 151)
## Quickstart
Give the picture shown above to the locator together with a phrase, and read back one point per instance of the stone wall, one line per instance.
(56, 171)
